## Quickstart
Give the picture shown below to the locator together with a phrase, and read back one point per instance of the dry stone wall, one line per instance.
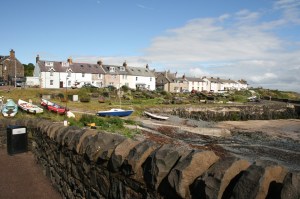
(86, 163)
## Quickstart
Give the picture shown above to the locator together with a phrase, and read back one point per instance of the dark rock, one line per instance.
(255, 181)
(291, 186)
(132, 165)
(107, 143)
(159, 164)
(120, 152)
(217, 178)
(86, 138)
(187, 170)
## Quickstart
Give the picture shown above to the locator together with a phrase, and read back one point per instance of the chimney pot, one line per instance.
(99, 63)
(37, 59)
(12, 54)
(70, 61)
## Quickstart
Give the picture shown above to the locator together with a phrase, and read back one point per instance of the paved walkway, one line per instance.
(22, 178)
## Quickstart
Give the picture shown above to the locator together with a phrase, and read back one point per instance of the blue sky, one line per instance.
(258, 40)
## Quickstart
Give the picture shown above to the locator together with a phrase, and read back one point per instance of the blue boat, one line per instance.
(9, 109)
(115, 112)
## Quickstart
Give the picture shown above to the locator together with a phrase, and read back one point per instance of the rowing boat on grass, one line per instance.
(29, 107)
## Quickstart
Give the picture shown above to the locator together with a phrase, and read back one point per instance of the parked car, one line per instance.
(19, 83)
(89, 86)
(2, 83)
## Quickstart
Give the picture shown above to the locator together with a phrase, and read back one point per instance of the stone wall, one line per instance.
(237, 113)
(85, 163)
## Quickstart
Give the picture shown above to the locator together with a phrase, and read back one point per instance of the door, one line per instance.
(61, 84)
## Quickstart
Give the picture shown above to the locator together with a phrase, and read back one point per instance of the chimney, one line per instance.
(99, 63)
(37, 59)
(12, 54)
(183, 77)
(70, 61)
(176, 74)
(125, 64)
(147, 66)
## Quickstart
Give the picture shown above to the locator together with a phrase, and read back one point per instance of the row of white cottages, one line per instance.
(57, 74)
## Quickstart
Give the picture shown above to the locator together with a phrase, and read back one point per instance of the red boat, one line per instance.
(54, 107)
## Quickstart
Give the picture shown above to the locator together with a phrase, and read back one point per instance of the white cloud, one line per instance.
(290, 9)
(233, 45)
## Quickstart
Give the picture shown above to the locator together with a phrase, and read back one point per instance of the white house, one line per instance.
(212, 84)
(242, 84)
(55, 74)
(195, 83)
(141, 78)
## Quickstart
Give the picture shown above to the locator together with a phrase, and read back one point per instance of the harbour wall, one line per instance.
(86, 163)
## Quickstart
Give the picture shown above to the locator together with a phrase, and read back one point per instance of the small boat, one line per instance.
(51, 106)
(115, 112)
(29, 107)
(154, 116)
(9, 109)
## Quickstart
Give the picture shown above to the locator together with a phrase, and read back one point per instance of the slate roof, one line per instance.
(171, 77)
(140, 71)
(75, 67)
(2, 58)
(215, 80)
(118, 70)
(228, 81)
(194, 79)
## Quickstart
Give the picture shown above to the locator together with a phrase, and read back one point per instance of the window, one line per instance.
(51, 73)
(122, 69)
(111, 83)
(83, 74)
(51, 82)
(100, 76)
(126, 84)
(150, 79)
(48, 63)
(69, 83)
(124, 76)
(69, 74)
(111, 69)
(136, 78)
(114, 76)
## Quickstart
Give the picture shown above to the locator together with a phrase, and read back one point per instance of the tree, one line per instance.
(28, 69)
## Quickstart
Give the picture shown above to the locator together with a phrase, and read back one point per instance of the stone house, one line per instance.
(11, 68)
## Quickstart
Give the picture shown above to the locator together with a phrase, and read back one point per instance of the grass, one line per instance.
(138, 100)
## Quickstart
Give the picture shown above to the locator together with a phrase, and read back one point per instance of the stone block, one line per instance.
(84, 140)
(187, 170)
(105, 144)
(291, 186)
(159, 164)
(120, 152)
(132, 165)
(256, 180)
(217, 178)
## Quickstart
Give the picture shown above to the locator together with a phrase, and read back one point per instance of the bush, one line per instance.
(85, 99)
(125, 88)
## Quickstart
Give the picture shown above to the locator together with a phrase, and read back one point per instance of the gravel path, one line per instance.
(22, 178)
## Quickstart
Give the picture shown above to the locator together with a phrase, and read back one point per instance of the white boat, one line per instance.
(154, 116)
(29, 107)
